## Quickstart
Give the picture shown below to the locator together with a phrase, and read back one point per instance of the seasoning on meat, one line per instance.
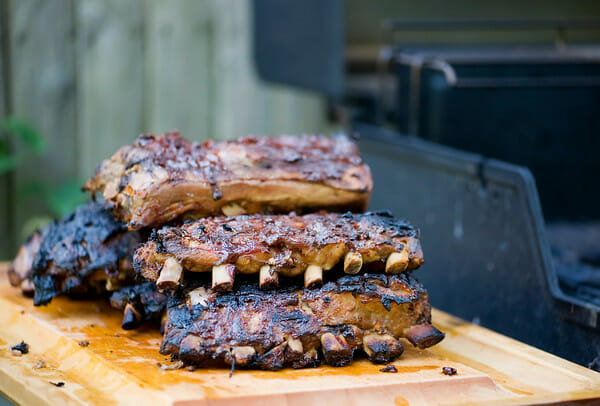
(293, 326)
(273, 245)
(161, 178)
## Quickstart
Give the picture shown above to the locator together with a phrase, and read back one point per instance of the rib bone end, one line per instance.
(243, 355)
(223, 277)
(191, 350)
(382, 348)
(336, 350)
(313, 276)
(397, 262)
(131, 317)
(423, 335)
(170, 274)
(268, 277)
(27, 287)
(353, 262)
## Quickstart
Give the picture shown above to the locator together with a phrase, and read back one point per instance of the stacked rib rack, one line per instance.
(257, 245)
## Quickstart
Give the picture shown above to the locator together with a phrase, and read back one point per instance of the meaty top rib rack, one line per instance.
(158, 179)
(287, 327)
(87, 251)
(279, 244)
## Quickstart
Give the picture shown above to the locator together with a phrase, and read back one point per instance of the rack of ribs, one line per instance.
(298, 327)
(273, 245)
(162, 178)
(85, 252)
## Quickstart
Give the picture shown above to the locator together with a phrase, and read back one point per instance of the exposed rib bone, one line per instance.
(190, 349)
(170, 274)
(287, 243)
(352, 263)
(198, 296)
(222, 277)
(382, 348)
(313, 276)
(243, 355)
(336, 350)
(397, 262)
(131, 317)
(27, 287)
(423, 335)
(269, 279)
(232, 209)
(295, 345)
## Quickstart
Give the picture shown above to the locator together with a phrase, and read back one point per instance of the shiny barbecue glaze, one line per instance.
(295, 327)
(160, 178)
(288, 243)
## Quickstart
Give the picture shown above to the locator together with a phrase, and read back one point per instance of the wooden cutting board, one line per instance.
(122, 367)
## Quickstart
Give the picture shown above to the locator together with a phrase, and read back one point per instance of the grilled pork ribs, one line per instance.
(86, 253)
(234, 217)
(299, 327)
(271, 245)
(160, 178)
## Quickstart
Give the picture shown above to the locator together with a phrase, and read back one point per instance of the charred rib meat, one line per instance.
(139, 303)
(270, 245)
(158, 179)
(294, 327)
(19, 271)
(87, 251)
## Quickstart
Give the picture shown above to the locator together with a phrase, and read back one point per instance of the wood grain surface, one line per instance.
(123, 367)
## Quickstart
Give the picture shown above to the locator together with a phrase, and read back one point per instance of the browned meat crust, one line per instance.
(158, 179)
(85, 252)
(19, 271)
(285, 244)
(294, 327)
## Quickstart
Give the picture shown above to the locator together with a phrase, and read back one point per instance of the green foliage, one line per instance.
(32, 224)
(59, 199)
(64, 198)
(21, 132)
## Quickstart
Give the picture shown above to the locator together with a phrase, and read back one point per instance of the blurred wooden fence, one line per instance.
(92, 74)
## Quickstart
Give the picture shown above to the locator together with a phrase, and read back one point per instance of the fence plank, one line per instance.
(6, 235)
(110, 78)
(178, 59)
(43, 78)
(92, 74)
(243, 103)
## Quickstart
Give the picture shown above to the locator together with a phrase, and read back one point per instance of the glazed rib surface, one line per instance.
(160, 178)
(289, 245)
(296, 327)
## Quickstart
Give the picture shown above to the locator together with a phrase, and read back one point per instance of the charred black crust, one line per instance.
(146, 300)
(85, 241)
(218, 327)
(282, 236)
(22, 347)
